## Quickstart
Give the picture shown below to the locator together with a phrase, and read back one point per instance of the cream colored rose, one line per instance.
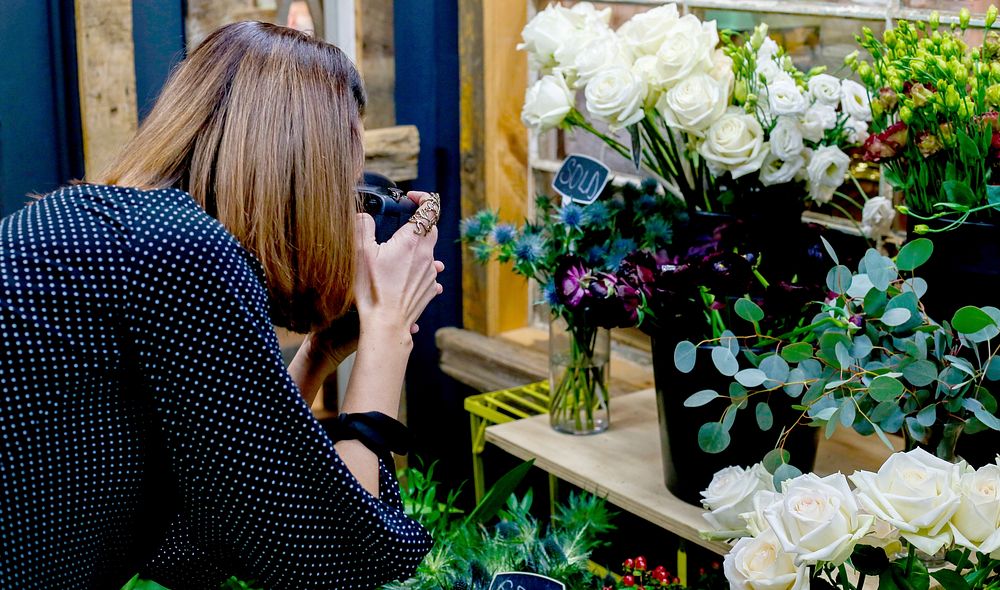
(731, 493)
(825, 89)
(694, 104)
(826, 171)
(599, 54)
(759, 563)
(734, 143)
(774, 170)
(817, 120)
(645, 68)
(785, 98)
(877, 216)
(786, 139)
(547, 102)
(976, 524)
(616, 96)
(688, 50)
(722, 70)
(915, 492)
(816, 519)
(584, 14)
(545, 34)
(884, 536)
(855, 100)
(645, 32)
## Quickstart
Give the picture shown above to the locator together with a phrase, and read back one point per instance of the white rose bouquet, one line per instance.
(713, 118)
(816, 530)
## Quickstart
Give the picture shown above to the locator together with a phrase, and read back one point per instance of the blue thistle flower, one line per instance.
(658, 231)
(620, 248)
(596, 214)
(571, 216)
(471, 228)
(595, 255)
(645, 202)
(529, 248)
(549, 294)
(482, 252)
(504, 234)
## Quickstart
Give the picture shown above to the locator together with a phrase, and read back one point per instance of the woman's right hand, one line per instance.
(395, 280)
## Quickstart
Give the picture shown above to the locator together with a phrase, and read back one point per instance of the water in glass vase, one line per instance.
(578, 378)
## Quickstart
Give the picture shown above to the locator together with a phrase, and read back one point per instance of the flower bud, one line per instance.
(851, 60)
(935, 20)
(890, 38)
(952, 99)
(995, 70)
(867, 34)
(991, 15)
(866, 74)
(921, 228)
(963, 18)
(903, 209)
(740, 91)
(905, 115)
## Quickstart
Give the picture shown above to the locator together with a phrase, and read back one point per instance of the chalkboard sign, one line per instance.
(581, 179)
(524, 581)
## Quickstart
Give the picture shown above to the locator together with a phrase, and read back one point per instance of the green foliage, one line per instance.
(420, 497)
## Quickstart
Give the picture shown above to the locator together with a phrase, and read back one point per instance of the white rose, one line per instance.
(604, 52)
(855, 100)
(734, 143)
(817, 120)
(877, 216)
(616, 96)
(584, 14)
(598, 38)
(785, 98)
(786, 139)
(731, 493)
(722, 70)
(915, 492)
(546, 33)
(774, 170)
(645, 32)
(884, 536)
(687, 50)
(759, 563)
(816, 519)
(826, 172)
(547, 102)
(825, 89)
(645, 68)
(976, 524)
(694, 104)
(856, 130)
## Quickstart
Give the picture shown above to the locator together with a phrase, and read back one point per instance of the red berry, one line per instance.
(629, 564)
(677, 581)
(628, 581)
(659, 568)
(640, 563)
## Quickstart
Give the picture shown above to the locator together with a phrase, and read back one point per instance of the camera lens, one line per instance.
(373, 205)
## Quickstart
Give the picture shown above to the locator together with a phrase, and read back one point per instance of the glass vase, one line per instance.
(579, 357)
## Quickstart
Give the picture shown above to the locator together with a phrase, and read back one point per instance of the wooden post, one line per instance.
(106, 63)
(494, 147)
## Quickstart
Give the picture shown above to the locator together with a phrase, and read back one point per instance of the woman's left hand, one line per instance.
(330, 347)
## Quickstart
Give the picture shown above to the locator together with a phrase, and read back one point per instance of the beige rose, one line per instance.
(734, 143)
(976, 523)
(547, 102)
(731, 493)
(694, 104)
(759, 563)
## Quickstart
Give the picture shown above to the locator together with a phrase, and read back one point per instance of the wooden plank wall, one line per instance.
(494, 147)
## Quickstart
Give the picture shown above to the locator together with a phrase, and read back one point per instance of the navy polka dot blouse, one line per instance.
(147, 423)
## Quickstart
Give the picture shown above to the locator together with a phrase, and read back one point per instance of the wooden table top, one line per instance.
(623, 464)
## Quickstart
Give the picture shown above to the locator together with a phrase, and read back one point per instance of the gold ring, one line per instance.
(427, 215)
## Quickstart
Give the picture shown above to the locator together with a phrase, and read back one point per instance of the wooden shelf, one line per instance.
(624, 465)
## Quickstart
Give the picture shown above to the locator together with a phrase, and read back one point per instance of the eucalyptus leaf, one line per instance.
(748, 310)
(915, 429)
(927, 416)
(896, 317)
(920, 373)
(981, 413)
(724, 361)
(880, 269)
(730, 341)
(862, 347)
(843, 356)
(915, 285)
(729, 417)
(875, 302)
(794, 387)
(839, 279)
(797, 352)
(914, 253)
(848, 411)
(685, 355)
(775, 458)
(713, 438)
(971, 319)
(884, 388)
(993, 369)
(860, 286)
(825, 414)
(989, 332)
(829, 250)
(751, 377)
(701, 398)
(765, 419)
(775, 368)
(881, 436)
(783, 472)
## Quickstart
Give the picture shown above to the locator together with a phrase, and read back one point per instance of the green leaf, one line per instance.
(970, 319)
(795, 386)
(765, 419)
(950, 580)
(884, 388)
(958, 192)
(993, 194)
(701, 398)
(685, 355)
(993, 369)
(970, 151)
(783, 472)
(882, 437)
(981, 413)
(713, 438)
(751, 377)
(927, 416)
(896, 317)
(838, 279)
(920, 373)
(848, 412)
(730, 341)
(775, 368)
(724, 361)
(749, 310)
(874, 302)
(775, 458)
(843, 357)
(914, 253)
(830, 250)
(862, 347)
(497, 495)
(798, 352)
(880, 269)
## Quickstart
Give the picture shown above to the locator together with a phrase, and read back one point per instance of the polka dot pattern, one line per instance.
(147, 422)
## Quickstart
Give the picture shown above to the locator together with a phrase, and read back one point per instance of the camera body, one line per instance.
(386, 203)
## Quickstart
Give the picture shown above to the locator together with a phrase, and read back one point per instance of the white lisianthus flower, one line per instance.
(687, 50)
(694, 104)
(826, 171)
(976, 524)
(759, 563)
(768, 50)
(817, 120)
(786, 139)
(856, 130)
(616, 96)
(825, 89)
(855, 100)
(547, 102)
(877, 216)
(915, 492)
(734, 143)
(775, 170)
(731, 493)
(599, 54)
(785, 98)
(549, 30)
(645, 32)
(817, 519)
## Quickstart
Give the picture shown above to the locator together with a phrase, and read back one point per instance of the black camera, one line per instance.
(386, 203)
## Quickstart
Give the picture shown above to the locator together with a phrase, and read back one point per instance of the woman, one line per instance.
(146, 420)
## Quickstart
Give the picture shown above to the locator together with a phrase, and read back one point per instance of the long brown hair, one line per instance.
(261, 124)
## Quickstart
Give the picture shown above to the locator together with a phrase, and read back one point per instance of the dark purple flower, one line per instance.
(572, 279)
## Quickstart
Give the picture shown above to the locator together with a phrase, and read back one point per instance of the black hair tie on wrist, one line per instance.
(380, 433)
